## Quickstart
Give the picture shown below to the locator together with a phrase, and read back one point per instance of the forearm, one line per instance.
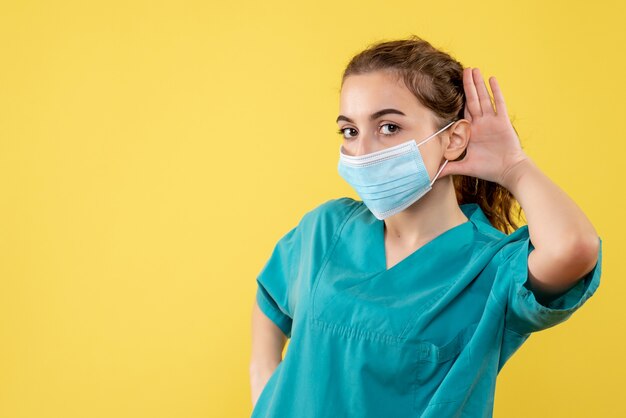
(566, 245)
(554, 219)
(268, 342)
(259, 375)
(559, 230)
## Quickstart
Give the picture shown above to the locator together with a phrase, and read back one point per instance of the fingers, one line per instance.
(466, 114)
(456, 167)
(483, 94)
(472, 103)
(498, 97)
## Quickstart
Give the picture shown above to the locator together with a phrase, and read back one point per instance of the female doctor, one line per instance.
(409, 301)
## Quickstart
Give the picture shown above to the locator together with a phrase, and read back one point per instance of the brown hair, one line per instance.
(436, 79)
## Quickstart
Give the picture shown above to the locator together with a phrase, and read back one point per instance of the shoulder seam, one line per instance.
(336, 235)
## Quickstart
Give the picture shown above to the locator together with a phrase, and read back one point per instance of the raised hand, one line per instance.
(494, 147)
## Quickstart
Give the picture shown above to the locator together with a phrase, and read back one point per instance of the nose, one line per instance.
(364, 145)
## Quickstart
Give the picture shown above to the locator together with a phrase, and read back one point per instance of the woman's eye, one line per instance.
(343, 132)
(395, 129)
(349, 133)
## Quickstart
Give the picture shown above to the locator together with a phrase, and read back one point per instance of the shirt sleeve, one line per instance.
(524, 314)
(276, 280)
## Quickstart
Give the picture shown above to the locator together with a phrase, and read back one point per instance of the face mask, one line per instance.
(390, 180)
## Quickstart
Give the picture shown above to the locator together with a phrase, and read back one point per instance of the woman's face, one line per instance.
(377, 111)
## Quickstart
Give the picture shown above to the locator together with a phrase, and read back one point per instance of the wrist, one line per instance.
(511, 176)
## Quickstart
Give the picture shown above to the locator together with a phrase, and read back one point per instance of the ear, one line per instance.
(458, 138)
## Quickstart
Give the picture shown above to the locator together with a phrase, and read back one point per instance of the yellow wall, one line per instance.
(152, 153)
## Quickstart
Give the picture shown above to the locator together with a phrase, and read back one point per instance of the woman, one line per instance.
(409, 301)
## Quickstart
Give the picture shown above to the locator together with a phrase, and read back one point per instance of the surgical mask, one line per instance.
(390, 180)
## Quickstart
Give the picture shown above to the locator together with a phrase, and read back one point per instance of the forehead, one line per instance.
(363, 94)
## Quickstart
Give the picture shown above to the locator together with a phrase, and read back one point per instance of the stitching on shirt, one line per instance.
(516, 333)
(283, 321)
(491, 292)
(326, 257)
(460, 342)
(357, 333)
(411, 323)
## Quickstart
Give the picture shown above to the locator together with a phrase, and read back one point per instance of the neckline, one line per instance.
(452, 237)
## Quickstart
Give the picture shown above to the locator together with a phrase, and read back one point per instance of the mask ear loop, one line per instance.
(435, 134)
(444, 164)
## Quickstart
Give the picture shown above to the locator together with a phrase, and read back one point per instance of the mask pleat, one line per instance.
(388, 180)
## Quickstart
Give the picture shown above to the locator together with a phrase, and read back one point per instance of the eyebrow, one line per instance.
(373, 116)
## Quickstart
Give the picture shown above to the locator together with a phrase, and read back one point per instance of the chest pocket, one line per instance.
(443, 372)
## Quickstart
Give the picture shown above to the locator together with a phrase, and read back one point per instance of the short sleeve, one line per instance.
(524, 314)
(276, 279)
(296, 258)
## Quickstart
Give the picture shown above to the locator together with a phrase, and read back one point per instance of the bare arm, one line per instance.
(268, 342)
(566, 243)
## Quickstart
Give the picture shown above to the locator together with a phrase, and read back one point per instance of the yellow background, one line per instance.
(152, 153)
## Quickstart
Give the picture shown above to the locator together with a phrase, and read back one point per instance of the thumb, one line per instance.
(456, 167)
